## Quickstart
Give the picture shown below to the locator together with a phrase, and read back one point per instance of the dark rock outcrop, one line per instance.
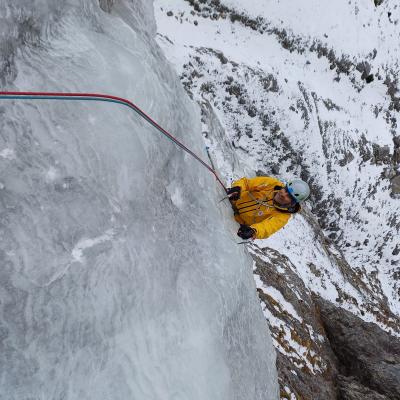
(306, 364)
(350, 389)
(396, 152)
(369, 358)
(381, 154)
(396, 185)
(323, 351)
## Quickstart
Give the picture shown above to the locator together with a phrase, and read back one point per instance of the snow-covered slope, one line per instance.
(305, 89)
(120, 277)
(289, 85)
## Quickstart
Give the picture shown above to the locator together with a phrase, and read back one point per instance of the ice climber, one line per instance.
(263, 205)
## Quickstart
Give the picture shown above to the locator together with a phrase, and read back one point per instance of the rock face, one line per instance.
(323, 351)
(396, 185)
(350, 389)
(368, 357)
(306, 364)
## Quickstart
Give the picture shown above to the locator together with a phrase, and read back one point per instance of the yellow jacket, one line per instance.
(256, 207)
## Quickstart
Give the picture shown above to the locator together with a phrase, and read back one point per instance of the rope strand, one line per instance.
(111, 99)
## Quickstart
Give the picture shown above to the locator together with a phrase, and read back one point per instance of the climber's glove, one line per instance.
(233, 193)
(246, 232)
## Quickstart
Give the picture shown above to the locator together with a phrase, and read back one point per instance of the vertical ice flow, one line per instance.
(120, 277)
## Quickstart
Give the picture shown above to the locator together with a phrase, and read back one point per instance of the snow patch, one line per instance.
(83, 244)
(278, 297)
(175, 191)
(298, 353)
(8, 154)
(51, 174)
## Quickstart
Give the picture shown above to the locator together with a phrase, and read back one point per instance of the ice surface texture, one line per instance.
(120, 277)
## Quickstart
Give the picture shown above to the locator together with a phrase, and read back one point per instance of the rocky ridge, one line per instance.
(323, 351)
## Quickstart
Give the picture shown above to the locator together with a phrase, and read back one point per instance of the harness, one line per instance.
(264, 202)
(261, 202)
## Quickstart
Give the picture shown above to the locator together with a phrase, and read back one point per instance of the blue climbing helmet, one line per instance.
(298, 190)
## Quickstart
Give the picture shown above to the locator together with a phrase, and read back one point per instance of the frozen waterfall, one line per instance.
(120, 276)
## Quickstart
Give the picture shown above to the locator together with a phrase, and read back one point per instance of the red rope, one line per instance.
(104, 97)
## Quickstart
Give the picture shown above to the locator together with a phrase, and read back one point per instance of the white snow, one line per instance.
(287, 345)
(83, 244)
(278, 297)
(359, 32)
(52, 174)
(7, 154)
